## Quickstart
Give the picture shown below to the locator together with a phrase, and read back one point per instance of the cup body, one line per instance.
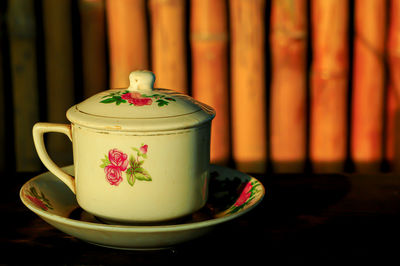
(141, 176)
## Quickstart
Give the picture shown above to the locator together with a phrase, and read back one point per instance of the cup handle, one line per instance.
(38, 130)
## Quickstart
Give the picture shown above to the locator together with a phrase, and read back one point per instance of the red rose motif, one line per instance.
(113, 174)
(118, 159)
(117, 163)
(143, 149)
(136, 99)
(37, 202)
(245, 195)
(130, 95)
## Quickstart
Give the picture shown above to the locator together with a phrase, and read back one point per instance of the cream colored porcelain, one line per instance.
(232, 194)
(140, 154)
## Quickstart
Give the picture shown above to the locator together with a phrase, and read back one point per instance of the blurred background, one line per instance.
(298, 85)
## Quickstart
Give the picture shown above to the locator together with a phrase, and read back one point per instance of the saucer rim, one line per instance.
(137, 228)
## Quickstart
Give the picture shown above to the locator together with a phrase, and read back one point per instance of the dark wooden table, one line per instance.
(304, 218)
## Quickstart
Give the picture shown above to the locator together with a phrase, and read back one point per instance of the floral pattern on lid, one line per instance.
(136, 98)
(140, 108)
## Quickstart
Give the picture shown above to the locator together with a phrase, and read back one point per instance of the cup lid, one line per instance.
(140, 107)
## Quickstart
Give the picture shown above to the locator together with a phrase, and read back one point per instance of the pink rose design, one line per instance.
(118, 159)
(37, 202)
(142, 101)
(245, 195)
(130, 95)
(136, 99)
(143, 149)
(117, 163)
(113, 174)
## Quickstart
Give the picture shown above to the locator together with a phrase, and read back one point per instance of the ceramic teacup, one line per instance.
(141, 155)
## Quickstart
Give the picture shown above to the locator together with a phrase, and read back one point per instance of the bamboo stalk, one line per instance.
(209, 46)
(391, 139)
(128, 40)
(248, 84)
(393, 96)
(59, 73)
(93, 46)
(368, 84)
(288, 40)
(22, 38)
(168, 44)
(329, 85)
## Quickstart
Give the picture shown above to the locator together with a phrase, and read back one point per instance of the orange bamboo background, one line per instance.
(288, 38)
(298, 85)
(329, 84)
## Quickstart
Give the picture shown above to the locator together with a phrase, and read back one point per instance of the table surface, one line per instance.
(304, 218)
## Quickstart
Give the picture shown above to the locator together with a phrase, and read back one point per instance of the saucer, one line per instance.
(231, 194)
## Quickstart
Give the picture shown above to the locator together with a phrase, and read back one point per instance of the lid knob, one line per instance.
(141, 80)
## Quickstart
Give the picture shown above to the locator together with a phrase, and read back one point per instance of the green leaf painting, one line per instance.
(105, 162)
(130, 173)
(142, 174)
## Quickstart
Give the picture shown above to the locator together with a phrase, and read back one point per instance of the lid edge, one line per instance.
(191, 120)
